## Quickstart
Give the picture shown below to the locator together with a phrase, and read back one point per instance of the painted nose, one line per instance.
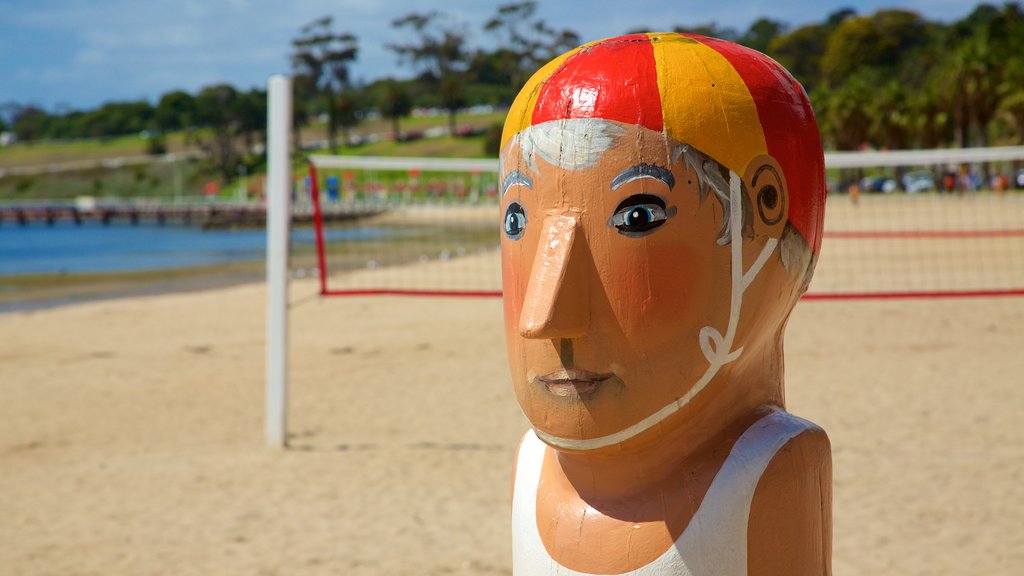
(557, 302)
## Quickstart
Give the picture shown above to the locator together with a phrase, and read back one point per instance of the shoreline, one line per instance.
(30, 292)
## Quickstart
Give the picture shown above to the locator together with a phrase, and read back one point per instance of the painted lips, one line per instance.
(572, 382)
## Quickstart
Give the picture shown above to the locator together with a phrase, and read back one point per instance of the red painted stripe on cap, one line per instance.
(613, 80)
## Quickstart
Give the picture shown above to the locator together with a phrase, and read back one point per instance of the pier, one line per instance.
(201, 212)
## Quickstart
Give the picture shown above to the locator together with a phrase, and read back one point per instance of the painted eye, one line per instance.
(639, 214)
(515, 221)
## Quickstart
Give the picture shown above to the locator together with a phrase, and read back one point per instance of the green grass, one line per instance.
(152, 180)
(52, 152)
(467, 147)
(381, 125)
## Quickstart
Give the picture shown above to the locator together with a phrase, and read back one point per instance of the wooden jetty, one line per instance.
(207, 214)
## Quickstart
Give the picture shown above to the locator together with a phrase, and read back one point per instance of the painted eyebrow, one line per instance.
(644, 171)
(514, 178)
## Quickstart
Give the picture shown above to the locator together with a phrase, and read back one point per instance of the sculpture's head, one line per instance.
(663, 197)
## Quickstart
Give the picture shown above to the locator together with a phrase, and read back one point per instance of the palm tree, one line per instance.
(323, 56)
(394, 104)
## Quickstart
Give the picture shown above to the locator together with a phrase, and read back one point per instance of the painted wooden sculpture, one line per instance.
(663, 197)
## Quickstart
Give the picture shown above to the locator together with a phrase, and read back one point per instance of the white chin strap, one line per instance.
(716, 347)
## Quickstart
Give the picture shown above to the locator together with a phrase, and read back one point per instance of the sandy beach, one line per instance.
(132, 436)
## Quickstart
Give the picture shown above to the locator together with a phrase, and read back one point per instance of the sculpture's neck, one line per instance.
(690, 438)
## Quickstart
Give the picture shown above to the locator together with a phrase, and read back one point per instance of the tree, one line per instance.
(845, 114)
(439, 52)
(175, 111)
(879, 41)
(800, 52)
(29, 123)
(978, 65)
(394, 104)
(7, 112)
(954, 102)
(111, 119)
(980, 73)
(710, 29)
(303, 91)
(846, 111)
(346, 110)
(891, 125)
(996, 70)
(250, 114)
(838, 17)
(892, 120)
(1012, 107)
(525, 42)
(761, 33)
(324, 57)
(930, 123)
(215, 108)
(980, 19)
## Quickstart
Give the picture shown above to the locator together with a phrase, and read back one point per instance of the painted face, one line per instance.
(611, 272)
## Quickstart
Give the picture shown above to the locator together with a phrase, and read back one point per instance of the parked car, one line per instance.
(918, 181)
(877, 184)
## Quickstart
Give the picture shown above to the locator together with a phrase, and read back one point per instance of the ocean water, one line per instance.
(121, 247)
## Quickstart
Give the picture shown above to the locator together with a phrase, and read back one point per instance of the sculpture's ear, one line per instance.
(768, 195)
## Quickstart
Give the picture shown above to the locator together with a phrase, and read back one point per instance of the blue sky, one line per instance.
(77, 54)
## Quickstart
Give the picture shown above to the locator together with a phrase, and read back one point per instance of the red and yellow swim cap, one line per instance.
(730, 102)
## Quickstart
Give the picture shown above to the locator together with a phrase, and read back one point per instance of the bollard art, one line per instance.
(662, 199)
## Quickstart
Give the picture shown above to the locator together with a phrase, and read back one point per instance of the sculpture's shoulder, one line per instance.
(804, 454)
(790, 522)
(806, 439)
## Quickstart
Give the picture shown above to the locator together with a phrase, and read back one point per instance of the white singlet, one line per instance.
(714, 543)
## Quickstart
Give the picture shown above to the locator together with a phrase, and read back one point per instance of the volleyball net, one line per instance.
(923, 223)
(416, 226)
(937, 223)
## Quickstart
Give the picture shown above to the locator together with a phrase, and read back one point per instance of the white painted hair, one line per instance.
(797, 257)
(572, 143)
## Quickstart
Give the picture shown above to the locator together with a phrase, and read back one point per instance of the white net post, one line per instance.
(279, 118)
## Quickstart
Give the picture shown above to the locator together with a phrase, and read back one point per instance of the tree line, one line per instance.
(890, 79)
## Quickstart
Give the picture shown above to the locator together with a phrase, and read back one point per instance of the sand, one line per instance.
(132, 435)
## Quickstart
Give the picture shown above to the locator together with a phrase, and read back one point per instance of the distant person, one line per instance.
(949, 182)
(1000, 182)
(966, 182)
(963, 183)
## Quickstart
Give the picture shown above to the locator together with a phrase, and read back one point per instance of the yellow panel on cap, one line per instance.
(705, 103)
